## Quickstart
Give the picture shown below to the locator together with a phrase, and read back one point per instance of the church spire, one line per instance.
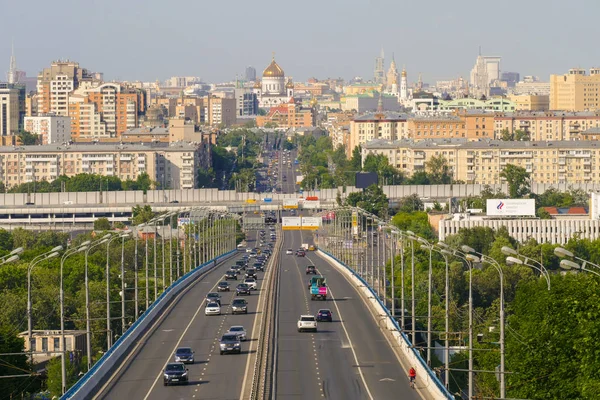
(12, 70)
(380, 103)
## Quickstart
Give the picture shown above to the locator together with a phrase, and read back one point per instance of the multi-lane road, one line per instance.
(348, 358)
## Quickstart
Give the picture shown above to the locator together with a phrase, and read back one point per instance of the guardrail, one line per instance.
(90, 382)
(409, 350)
(262, 376)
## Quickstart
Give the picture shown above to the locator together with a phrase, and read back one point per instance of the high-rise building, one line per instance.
(50, 128)
(10, 122)
(511, 78)
(392, 75)
(250, 74)
(246, 102)
(485, 73)
(575, 91)
(380, 69)
(55, 85)
(12, 76)
(220, 111)
(404, 86)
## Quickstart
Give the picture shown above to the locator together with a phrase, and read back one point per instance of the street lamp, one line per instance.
(495, 264)
(80, 248)
(5, 259)
(124, 234)
(543, 272)
(108, 329)
(567, 264)
(10, 259)
(425, 245)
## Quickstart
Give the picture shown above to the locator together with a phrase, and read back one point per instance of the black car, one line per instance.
(251, 273)
(213, 297)
(223, 286)
(175, 373)
(230, 343)
(239, 306)
(259, 266)
(243, 288)
(231, 275)
(241, 263)
(184, 355)
(311, 269)
(300, 253)
(324, 315)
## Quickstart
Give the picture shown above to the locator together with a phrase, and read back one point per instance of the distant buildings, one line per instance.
(379, 71)
(250, 74)
(273, 90)
(11, 110)
(286, 116)
(575, 91)
(485, 74)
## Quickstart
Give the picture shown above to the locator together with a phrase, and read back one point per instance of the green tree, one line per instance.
(517, 179)
(356, 160)
(438, 170)
(12, 365)
(372, 200)
(54, 381)
(419, 178)
(410, 203)
(102, 224)
(542, 213)
(27, 138)
(414, 221)
(141, 214)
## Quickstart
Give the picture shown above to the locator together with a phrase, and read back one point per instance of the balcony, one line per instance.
(419, 155)
(488, 156)
(516, 155)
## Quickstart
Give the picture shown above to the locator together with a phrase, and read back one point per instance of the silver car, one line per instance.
(239, 331)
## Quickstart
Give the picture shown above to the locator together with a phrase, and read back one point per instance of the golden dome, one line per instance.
(404, 72)
(273, 71)
(257, 84)
(289, 84)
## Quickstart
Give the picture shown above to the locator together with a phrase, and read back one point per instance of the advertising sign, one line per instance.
(291, 223)
(311, 204)
(311, 223)
(354, 223)
(299, 179)
(184, 221)
(289, 204)
(510, 207)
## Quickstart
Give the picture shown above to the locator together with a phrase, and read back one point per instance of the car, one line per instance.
(29, 203)
(238, 330)
(253, 254)
(248, 250)
(300, 253)
(239, 306)
(251, 273)
(174, 202)
(212, 309)
(311, 269)
(307, 323)
(289, 251)
(184, 355)
(259, 267)
(236, 268)
(241, 263)
(213, 297)
(175, 373)
(251, 282)
(311, 248)
(231, 274)
(230, 343)
(243, 288)
(223, 286)
(324, 314)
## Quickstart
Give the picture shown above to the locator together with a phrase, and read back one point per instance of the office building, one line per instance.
(50, 128)
(246, 102)
(250, 74)
(575, 91)
(511, 78)
(220, 111)
(173, 166)
(379, 72)
(289, 115)
(530, 102)
(10, 113)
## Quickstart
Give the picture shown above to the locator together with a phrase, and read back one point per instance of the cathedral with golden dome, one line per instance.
(273, 90)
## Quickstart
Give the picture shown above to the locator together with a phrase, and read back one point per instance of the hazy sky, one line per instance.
(151, 39)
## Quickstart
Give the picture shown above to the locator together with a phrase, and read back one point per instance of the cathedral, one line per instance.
(273, 90)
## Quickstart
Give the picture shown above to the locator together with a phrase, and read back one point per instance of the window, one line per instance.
(56, 343)
(45, 344)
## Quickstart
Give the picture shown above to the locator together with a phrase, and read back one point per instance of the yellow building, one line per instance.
(549, 125)
(575, 91)
(386, 125)
(480, 162)
(530, 102)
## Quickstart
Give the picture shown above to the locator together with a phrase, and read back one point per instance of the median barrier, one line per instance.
(89, 383)
(430, 383)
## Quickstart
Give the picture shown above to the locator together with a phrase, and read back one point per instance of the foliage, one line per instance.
(54, 381)
(480, 202)
(417, 222)
(517, 179)
(28, 139)
(102, 224)
(142, 214)
(356, 160)
(372, 200)
(11, 365)
(85, 183)
(438, 170)
(410, 204)
(380, 165)
(516, 135)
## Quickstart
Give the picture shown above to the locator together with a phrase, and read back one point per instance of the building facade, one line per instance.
(552, 162)
(575, 91)
(548, 125)
(289, 115)
(273, 90)
(174, 166)
(10, 113)
(50, 128)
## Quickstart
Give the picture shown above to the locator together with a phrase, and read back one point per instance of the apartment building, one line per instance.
(173, 166)
(575, 91)
(50, 128)
(481, 162)
(10, 113)
(288, 115)
(220, 110)
(385, 125)
(530, 102)
(549, 125)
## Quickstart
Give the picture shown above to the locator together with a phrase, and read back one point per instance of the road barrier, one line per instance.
(101, 370)
(432, 384)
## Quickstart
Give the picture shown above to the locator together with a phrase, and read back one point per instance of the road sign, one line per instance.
(291, 223)
(250, 201)
(310, 223)
(267, 199)
(290, 204)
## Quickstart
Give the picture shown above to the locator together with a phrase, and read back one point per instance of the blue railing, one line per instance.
(434, 378)
(85, 378)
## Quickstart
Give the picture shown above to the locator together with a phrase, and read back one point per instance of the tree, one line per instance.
(517, 135)
(12, 365)
(54, 381)
(419, 178)
(417, 222)
(372, 200)
(410, 203)
(541, 213)
(438, 170)
(102, 224)
(517, 179)
(141, 215)
(28, 138)
(356, 160)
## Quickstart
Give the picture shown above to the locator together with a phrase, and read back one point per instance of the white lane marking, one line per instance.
(168, 330)
(362, 377)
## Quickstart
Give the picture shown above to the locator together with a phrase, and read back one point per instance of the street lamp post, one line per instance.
(123, 236)
(428, 246)
(568, 264)
(444, 253)
(63, 347)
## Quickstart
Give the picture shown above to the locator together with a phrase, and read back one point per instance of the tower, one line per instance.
(404, 86)
(289, 87)
(380, 69)
(13, 75)
(392, 74)
(394, 87)
(380, 103)
(420, 83)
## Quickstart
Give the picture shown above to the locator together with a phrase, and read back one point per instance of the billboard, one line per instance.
(310, 223)
(354, 223)
(511, 207)
(291, 223)
(299, 179)
(366, 179)
(311, 204)
(289, 204)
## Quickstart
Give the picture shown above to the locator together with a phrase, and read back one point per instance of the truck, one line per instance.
(318, 287)
(304, 246)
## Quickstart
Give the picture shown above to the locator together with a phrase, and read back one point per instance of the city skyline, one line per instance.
(344, 44)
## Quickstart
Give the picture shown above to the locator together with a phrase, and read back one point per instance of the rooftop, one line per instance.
(99, 147)
(482, 144)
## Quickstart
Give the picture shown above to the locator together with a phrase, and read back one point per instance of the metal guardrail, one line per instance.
(262, 379)
(134, 327)
(433, 377)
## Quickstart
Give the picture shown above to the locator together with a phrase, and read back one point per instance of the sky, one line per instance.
(215, 40)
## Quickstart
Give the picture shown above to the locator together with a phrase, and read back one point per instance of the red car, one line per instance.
(300, 253)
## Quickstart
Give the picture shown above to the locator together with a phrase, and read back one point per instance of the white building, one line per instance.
(273, 90)
(50, 128)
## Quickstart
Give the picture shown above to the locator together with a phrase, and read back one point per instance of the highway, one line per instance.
(212, 376)
(346, 359)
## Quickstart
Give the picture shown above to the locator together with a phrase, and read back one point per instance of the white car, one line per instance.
(307, 323)
(250, 282)
(239, 331)
(212, 309)
(289, 252)
(248, 250)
